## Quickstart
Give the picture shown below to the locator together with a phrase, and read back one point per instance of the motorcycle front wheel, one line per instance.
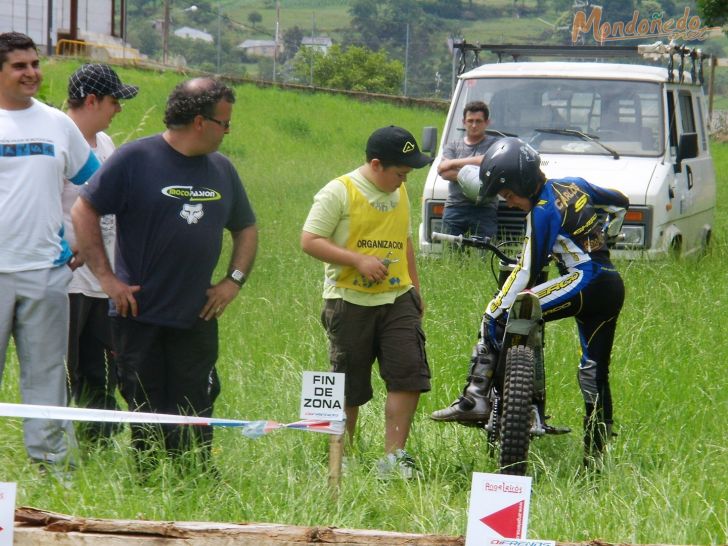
(515, 425)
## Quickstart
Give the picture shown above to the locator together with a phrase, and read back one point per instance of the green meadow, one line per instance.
(664, 480)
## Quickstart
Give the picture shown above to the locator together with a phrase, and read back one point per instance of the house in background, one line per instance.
(260, 48)
(69, 23)
(320, 44)
(193, 34)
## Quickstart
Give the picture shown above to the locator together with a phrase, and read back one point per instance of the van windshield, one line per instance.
(570, 116)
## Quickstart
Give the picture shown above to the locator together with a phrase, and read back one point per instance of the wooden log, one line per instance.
(34, 526)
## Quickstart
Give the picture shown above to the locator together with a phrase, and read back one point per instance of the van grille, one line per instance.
(511, 223)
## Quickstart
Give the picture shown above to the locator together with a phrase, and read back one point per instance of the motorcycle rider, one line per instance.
(562, 221)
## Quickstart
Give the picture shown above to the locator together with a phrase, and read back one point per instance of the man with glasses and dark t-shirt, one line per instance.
(173, 196)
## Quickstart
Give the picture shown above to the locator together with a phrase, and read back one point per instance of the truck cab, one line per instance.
(636, 128)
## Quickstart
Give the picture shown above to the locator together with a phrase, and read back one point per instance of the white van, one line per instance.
(637, 128)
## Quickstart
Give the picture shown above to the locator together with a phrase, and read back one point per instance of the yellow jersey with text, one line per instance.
(377, 231)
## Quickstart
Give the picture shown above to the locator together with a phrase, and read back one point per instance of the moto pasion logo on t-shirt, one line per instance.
(192, 213)
(191, 193)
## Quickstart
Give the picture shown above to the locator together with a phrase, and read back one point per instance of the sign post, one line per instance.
(7, 513)
(322, 397)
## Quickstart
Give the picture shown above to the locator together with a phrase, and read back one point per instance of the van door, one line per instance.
(694, 183)
(702, 189)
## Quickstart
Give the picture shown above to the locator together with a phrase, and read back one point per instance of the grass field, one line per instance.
(664, 480)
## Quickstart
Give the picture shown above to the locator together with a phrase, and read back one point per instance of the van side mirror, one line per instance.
(687, 149)
(429, 140)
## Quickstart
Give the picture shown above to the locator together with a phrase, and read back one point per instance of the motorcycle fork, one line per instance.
(525, 326)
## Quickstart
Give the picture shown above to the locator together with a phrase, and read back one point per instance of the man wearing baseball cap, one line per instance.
(99, 80)
(94, 91)
(359, 226)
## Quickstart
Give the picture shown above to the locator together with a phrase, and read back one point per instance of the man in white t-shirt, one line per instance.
(39, 147)
(94, 91)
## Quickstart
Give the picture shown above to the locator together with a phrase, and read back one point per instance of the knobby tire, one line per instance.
(515, 426)
(493, 434)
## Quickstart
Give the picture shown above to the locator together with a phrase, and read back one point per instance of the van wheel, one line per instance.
(705, 239)
(675, 250)
(707, 234)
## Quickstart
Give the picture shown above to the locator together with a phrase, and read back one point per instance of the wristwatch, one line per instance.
(237, 276)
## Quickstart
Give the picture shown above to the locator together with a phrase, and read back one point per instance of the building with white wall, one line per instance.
(53, 20)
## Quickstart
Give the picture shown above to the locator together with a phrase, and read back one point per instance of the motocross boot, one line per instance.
(597, 431)
(547, 428)
(473, 406)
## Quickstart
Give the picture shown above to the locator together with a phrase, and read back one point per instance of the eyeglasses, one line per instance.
(224, 124)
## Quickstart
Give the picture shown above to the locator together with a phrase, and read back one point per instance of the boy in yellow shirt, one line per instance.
(359, 226)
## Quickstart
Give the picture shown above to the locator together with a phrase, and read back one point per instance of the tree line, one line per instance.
(390, 46)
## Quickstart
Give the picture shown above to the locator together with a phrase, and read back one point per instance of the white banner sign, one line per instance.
(7, 513)
(322, 396)
(498, 509)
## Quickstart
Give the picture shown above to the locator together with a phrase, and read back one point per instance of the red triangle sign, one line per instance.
(506, 521)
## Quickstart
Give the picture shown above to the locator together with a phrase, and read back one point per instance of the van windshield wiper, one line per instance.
(493, 132)
(582, 136)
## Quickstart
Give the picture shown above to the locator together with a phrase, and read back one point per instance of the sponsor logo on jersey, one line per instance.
(192, 213)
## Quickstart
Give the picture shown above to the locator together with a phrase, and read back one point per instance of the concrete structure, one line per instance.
(317, 43)
(194, 34)
(260, 48)
(69, 19)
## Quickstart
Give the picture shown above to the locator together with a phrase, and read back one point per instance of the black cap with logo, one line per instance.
(397, 146)
(99, 80)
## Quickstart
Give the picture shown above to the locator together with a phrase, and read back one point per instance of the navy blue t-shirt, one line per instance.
(171, 211)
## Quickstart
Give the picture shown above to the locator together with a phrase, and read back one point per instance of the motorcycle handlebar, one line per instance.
(476, 242)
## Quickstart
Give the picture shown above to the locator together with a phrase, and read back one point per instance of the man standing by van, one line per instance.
(461, 215)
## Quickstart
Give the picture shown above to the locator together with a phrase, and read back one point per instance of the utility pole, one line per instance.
(49, 37)
(406, 58)
(123, 28)
(313, 48)
(275, 46)
(219, 32)
(165, 33)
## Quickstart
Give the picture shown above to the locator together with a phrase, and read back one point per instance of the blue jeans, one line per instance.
(470, 219)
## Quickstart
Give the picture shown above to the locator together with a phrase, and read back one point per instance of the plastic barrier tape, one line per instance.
(251, 429)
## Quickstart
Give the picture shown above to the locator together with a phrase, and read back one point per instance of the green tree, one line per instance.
(354, 68)
(144, 8)
(145, 39)
(405, 32)
(203, 15)
(291, 42)
(714, 12)
(197, 53)
(254, 18)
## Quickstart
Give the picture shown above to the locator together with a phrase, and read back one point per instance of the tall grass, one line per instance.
(664, 480)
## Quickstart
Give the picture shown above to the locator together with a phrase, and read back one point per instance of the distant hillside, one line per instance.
(415, 32)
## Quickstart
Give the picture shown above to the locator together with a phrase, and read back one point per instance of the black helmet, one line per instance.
(510, 164)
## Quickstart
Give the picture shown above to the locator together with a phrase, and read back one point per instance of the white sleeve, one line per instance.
(81, 162)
